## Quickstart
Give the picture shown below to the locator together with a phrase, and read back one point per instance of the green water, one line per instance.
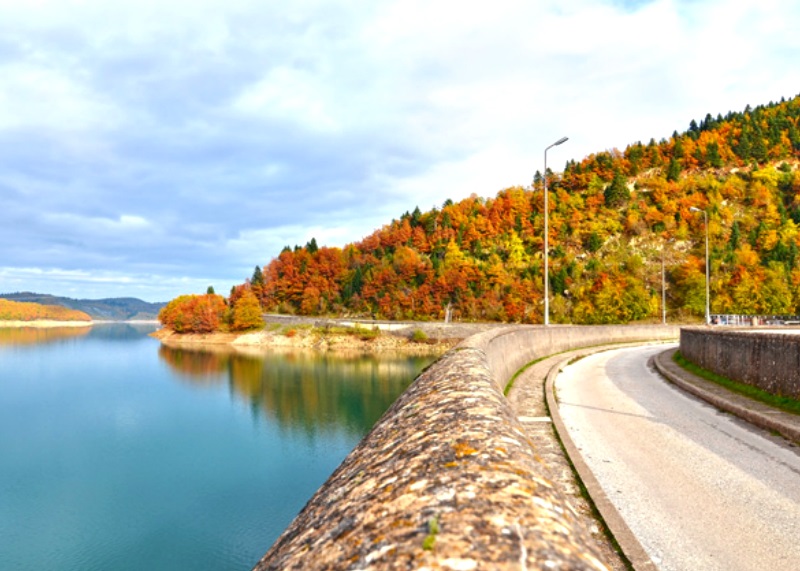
(119, 454)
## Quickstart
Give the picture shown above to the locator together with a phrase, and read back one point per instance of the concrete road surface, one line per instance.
(700, 489)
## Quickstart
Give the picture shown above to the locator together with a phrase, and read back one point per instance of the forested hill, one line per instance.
(31, 312)
(614, 216)
(112, 309)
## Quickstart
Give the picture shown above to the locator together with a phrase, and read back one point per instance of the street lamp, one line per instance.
(705, 223)
(663, 291)
(546, 217)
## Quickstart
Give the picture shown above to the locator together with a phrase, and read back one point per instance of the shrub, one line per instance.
(419, 336)
(366, 334)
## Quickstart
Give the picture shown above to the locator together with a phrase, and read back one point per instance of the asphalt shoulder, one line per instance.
(754, 412)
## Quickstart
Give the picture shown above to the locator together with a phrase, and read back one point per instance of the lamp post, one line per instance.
(664, 244)
(546, 232)
(663, 291)
(705, 224)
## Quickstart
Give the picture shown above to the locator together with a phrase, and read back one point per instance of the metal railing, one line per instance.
(753, 320)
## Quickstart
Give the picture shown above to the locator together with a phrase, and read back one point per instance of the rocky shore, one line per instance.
(286, 332)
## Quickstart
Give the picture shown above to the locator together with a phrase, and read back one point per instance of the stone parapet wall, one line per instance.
(768, 361)
(447, 478)
(510, 348)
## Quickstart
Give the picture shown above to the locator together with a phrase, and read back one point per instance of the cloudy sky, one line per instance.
(150, 148)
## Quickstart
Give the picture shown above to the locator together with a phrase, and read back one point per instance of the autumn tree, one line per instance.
(247, 312)
(482, 257)
(194, 313)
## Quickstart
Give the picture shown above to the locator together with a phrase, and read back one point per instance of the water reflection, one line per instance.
(123, 331)
(40, 335)
(98, 331)
(305, 391)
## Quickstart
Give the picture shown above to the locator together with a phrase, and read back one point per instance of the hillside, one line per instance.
(24, 311)
(614, 216)
(112, 309)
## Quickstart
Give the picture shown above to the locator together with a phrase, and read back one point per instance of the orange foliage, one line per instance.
(26, 311)
(483, 256)
(194, 313)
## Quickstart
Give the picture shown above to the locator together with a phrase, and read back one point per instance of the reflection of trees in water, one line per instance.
(305, 391)
(40, 335)
(199, 367)
(124, 331)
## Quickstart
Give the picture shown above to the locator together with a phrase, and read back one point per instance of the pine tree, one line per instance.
(712, 155)
(617, 194)
(673, 170)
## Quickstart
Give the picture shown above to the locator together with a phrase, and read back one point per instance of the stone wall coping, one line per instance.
(447, 478)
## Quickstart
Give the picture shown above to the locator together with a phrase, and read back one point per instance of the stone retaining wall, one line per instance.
(769, 361)
(447, 478)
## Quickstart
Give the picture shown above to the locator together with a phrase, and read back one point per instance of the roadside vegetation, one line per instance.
(783, 403)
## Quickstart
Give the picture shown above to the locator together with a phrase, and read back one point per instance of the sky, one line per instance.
(152, 148)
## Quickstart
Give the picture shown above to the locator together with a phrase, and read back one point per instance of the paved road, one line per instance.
(699, 489)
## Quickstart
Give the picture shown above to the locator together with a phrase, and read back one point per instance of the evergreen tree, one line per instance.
(694, 130)
(677, 149)
(712, 155)
(594, 243)
(744, 147)
(759, 148)
(733, 242)
(617, 194)
(673, 170)
(415, 217)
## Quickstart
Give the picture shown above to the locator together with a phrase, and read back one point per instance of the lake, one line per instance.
(117, 453)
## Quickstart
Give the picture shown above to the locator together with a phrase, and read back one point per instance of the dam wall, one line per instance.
(447, 478)
(764, 359)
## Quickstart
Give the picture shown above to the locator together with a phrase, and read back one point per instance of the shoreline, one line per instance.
(42, 323)
(316, 340)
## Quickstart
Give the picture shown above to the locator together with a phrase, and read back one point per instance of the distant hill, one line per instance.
(112, 309)
(28, 312)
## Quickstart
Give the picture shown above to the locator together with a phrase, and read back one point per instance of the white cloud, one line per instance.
(43, 98)
(149, 140)
(289, 94)
(78, 223)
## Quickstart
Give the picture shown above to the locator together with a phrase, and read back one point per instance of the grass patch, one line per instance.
(366, 334)
(610, 346)
(419, 336)
(510, 384)
(433, 531)
(783, 403)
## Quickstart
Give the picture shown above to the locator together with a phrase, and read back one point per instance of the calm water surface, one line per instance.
(119, 454)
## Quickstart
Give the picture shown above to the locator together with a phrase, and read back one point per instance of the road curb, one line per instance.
(754, 412)
(632, 550)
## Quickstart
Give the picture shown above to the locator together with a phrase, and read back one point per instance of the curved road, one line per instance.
(699, 489)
